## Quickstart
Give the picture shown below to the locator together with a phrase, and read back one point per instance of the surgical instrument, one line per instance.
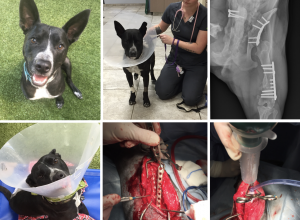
(173, 211)
(126, 199)
(249, 197)
(232, 216)
(276, 181)
(143, 213)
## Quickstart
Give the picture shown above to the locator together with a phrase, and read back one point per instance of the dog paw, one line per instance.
(59, 102)
(78, 94)
(132, 98)
(146, 100)
(59, 105)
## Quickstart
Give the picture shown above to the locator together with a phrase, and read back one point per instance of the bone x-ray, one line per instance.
(254, 56)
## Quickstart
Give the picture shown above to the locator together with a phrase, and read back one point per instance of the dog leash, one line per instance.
(178, 68)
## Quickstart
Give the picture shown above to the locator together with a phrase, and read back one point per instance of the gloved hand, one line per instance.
(198, 211)
(229, 168)
(129, 134)
(228, 140)
(108, 203)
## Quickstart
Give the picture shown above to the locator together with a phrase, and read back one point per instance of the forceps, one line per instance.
(249, 197)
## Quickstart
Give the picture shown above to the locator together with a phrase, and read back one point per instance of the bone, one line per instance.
(215, 29)
(268, 102)
(263, 52)
(265, 112)
(239, 63)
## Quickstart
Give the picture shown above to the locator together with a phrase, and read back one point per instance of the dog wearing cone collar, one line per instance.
(45, 51)
(48, 169)
(132, 42)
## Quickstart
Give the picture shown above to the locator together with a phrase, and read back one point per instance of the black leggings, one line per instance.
(191, 83)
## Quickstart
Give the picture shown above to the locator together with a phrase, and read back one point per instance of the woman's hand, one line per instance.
(166, 39)
(228, 140)
(109, 201)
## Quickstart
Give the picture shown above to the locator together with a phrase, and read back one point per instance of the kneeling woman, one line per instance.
(185, 69)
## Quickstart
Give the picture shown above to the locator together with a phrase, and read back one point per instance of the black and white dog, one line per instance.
(45, 51)
(48, 169)
(132, 42)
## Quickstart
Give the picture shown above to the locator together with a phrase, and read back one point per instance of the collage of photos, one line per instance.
(149, 110)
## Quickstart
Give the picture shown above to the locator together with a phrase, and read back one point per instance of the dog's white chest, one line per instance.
(41, 93)
(134, 69)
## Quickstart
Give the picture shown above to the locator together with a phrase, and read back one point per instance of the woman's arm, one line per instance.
(161, 27)
(196, 47)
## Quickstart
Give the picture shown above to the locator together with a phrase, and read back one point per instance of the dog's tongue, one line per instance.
(39, 79)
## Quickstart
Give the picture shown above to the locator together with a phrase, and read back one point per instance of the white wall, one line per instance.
(125, 1)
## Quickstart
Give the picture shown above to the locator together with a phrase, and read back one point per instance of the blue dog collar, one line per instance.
(26, 73)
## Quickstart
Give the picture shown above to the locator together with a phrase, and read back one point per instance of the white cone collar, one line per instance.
(76, 143)
(113, 52)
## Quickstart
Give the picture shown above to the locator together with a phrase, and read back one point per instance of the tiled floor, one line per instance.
(116, 90)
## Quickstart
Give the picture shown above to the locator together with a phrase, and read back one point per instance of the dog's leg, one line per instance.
(67, 67)
(152, 64)
(130, 82)
(59, 102)
(6, 192)
(145, 93)
(82, 209)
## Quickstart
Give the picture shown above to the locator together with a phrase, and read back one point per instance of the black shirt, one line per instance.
(184, 57)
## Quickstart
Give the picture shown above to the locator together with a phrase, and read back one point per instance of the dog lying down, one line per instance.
(48, 169)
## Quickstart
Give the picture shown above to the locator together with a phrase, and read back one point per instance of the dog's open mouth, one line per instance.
(39, 80)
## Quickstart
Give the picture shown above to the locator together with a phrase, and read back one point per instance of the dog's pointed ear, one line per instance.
(75, 26)
(119, 29)
(54, 152)
(29, 15)
(143, 28)
(30, 181)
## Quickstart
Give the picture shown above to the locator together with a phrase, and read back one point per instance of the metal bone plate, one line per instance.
(160, 172)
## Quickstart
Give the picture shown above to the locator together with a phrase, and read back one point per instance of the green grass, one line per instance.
(8, 130)
(84, 55)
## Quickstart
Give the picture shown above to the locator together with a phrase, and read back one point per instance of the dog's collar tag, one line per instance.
(26, 73)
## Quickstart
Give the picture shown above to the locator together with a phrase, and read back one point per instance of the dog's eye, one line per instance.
(55, 161)
(33, 40)
(60, 47)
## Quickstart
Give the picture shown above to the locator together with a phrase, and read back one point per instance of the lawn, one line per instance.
(84, 55)
(8, 130)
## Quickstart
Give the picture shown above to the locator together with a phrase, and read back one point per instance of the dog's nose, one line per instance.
(43, 66)
(132, 52)
(59, 175)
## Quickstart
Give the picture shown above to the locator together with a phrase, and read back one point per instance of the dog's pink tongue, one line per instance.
(39, 78)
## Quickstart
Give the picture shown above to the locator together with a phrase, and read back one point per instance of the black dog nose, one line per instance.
(132, 53)
(59, 175)
(43, 66)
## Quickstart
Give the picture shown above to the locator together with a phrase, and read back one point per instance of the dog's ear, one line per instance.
(143, 28)
(75, 26)
(29, 15)
(30, 181)
(119, 29)
(53, 151)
